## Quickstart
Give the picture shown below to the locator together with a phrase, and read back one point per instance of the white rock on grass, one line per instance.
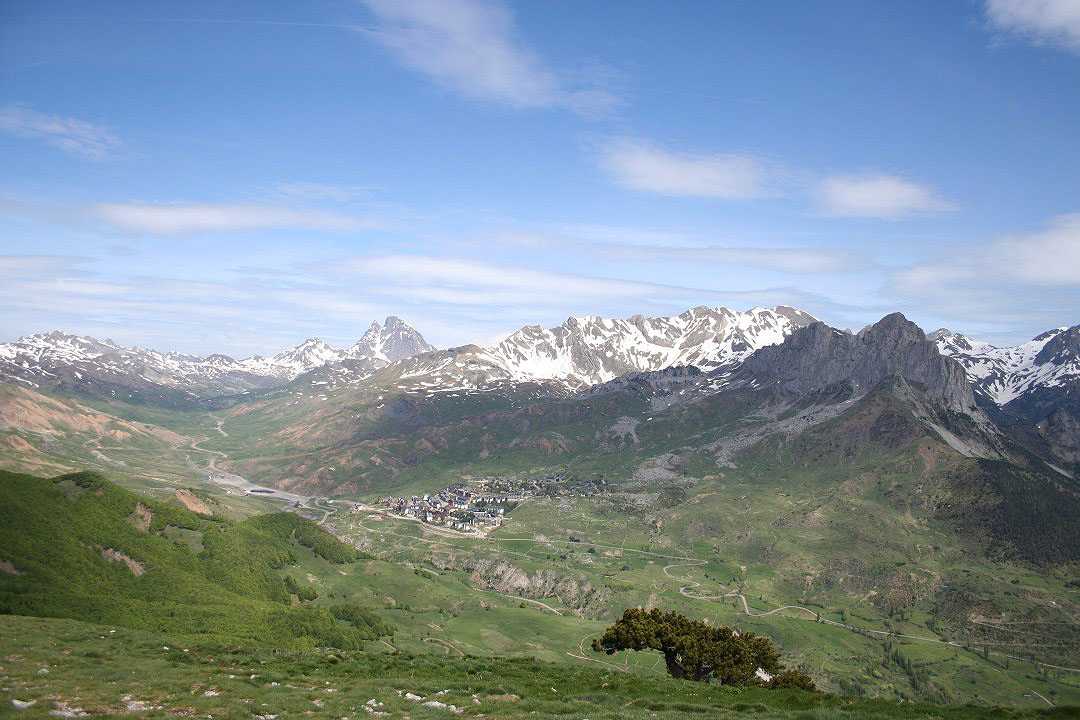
(22, 704)
(442, 706)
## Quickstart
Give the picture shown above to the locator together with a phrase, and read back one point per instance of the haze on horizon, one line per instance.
(236, 177)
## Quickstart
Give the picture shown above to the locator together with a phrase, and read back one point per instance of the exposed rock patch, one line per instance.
(574, 591)
(136, 567)
(6, 566)
(141, 517)
(817, 357)
(192, 503)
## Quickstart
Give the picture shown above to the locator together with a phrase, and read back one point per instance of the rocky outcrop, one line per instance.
(574, 591)
(818, 357)
(648, 384)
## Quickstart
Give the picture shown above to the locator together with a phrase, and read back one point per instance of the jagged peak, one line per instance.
(816, 357)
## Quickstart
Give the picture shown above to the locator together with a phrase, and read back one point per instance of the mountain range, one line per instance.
(63, 362)
(1026, 383)
(905, 484)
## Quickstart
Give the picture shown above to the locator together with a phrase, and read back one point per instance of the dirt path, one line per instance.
(687, 590)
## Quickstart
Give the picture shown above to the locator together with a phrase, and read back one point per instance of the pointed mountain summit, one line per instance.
(393, 341)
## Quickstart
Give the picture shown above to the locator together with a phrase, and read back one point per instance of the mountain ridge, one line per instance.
(62, 361)
(1027, 382)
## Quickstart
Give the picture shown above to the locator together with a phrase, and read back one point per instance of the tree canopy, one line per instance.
(696, 650)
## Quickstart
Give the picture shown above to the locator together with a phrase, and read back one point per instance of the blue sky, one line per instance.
(238, 176)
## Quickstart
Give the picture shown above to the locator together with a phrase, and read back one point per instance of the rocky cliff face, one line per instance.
(818, 357)
(573, 590)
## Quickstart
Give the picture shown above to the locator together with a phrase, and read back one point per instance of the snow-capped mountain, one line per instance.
(1024, 379)
(289, 363)
(589, 350)
(65, 362)
(61, 361)
(585, 351)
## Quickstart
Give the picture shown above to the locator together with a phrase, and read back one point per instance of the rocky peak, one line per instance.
(591, 349)
(1062, 347)
(392, 341)
(816, 357)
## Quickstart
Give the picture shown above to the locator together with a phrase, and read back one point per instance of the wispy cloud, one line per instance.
(234, 316)
(877, 195)
(1031, 280)
(471, 47)
(1047, 258)
(313, 191)
(77, 137)
(797, 261)
(40, 265)
(641, 165)
(1051, 22)
(189, 218)
(527, 294)
(656, 246)
(466, 281)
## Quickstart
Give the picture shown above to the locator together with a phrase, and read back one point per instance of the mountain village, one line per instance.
(478, 505)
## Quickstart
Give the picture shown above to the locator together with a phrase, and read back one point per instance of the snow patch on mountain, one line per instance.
(61, 359)
(1006, 373)
(589, 350)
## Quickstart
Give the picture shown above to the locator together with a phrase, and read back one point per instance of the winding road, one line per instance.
(226, 479)
(687, 591)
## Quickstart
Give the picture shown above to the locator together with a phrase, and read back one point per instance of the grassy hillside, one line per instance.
(46, 434)
(868, 522)
(78, 546)
(143, 448)
(882, 561)
(68, 666)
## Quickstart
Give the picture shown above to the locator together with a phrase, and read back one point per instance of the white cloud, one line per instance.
(47, 292)
(187, 218)
(74, 136)
(1031, 280)
(801, 261)
(1054, 22)
(461, 281)
(877, 195)
(620, 243)
(640, 165)
(1050, 257)
(312, 191)
(470, 46)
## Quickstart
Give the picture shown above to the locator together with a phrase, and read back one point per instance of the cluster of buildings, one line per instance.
(455, 507)
(482, 503)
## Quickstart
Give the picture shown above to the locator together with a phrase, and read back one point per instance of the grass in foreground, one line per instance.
(65, 665)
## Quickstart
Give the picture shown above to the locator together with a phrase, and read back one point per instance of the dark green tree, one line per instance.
(695, 650)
